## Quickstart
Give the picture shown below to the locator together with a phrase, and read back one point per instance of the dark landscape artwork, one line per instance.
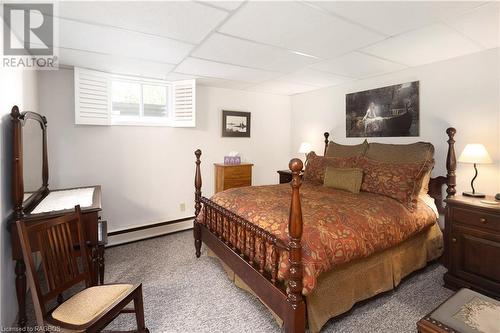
(384, 112)
(235, 124)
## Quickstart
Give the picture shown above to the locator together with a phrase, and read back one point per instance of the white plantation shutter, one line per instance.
(92, 97)
(183, 103)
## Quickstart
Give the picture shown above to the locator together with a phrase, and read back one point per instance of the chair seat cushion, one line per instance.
(469, 312)
(89, 303)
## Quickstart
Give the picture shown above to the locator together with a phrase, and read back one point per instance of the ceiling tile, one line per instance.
(88, 37)
(221, 83)
(394, 17)
(430, 44)
(201, 67)
(236, 51)
(297, 27)
(315, 78)
(114, 64)
(482, 24)
(173, 19)
(357, 65)
(227, 5)
(281, 87)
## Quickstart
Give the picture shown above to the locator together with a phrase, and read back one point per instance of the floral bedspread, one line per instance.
(338, 226)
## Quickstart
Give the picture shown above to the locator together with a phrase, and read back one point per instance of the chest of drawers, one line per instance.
(230, 176)
(472, 245)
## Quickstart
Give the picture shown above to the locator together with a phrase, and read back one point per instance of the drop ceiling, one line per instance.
(280, 47)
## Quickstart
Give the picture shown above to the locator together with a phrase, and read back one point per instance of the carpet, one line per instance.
(186, 294)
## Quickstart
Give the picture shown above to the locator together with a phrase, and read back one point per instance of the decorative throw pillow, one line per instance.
(337, 150)
(316, 166)
(400, 181)
(348, 179)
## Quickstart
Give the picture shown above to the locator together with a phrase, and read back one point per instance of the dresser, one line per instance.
(472, 244)
(229, 176)
(34, 202)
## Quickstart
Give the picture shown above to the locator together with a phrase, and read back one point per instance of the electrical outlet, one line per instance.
(182, 206)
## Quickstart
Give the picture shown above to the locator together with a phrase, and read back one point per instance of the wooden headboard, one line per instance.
(436, 184)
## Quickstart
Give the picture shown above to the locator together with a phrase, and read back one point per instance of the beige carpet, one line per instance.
(185, 294)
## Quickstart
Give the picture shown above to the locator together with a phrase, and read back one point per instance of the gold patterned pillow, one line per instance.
(400, 181)
(316, 166)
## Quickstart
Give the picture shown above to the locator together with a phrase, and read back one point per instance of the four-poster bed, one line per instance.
(254, 253)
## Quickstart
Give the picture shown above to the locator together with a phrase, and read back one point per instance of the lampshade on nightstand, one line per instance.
(305, 148)
(476, 154)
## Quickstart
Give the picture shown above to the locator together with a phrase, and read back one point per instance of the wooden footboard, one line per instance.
(253, 253)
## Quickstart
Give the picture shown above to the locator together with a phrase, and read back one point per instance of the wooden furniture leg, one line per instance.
(20, 271)
(197, 204)
(100, 262)
(139, 311)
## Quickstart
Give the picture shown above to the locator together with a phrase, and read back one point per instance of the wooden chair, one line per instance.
(66, 263)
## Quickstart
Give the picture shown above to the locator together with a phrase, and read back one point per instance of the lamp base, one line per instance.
(475, 194)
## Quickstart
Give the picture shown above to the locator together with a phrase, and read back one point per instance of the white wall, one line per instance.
(461, 92)
(147, 172)
(19, 88)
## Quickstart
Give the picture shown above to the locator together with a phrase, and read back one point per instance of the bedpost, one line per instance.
(295, 320)
(326, 134)
(197, 204)
(451, 163)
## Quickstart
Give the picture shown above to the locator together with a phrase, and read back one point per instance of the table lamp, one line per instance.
(305, 148)
(476, 154)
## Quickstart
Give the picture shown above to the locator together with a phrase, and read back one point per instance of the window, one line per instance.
(139, 103)
(109, 99)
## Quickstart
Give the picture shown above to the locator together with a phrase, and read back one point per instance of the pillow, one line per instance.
(400, 181)
(348, 179)
(337, 150)
(316, 166)
(414, 152)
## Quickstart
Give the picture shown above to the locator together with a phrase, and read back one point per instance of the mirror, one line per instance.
(32, 151)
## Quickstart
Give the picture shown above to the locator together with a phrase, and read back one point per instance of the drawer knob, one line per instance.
(483, 220)
(454, 240)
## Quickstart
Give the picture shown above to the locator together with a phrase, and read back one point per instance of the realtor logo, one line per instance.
(28, 35)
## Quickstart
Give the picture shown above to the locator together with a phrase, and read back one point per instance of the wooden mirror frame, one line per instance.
(18, 119)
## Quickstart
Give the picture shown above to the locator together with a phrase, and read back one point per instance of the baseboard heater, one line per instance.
(134, 234)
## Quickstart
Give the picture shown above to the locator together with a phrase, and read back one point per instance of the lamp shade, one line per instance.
(475, 153)
(305, 147)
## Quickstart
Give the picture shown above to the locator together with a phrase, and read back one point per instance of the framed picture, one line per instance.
(236, 124)
(389, 111)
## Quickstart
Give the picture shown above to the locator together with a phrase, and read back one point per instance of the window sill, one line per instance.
(122, 122)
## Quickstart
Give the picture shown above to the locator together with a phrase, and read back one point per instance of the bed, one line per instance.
(291, 249)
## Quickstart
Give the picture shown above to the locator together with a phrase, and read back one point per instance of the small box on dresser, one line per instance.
(229, 176)
(472, 244)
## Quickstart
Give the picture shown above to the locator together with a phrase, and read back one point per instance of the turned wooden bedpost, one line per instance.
(295, 321)
(326, 134)
(197, 204)
(451, 163)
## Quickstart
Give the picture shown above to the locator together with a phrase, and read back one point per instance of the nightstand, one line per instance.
(285, 176)
(229, 175)
(472, 244)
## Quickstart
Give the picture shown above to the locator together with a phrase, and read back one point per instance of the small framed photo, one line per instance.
(235, 124)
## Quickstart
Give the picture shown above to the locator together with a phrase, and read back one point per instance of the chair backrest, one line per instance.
(64, 257)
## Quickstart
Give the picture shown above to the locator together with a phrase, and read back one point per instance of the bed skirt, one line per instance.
(338, 290)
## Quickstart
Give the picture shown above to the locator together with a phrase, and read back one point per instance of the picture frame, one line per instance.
(236, 124)
(391, 111)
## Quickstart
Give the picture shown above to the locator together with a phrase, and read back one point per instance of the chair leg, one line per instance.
(139, 311)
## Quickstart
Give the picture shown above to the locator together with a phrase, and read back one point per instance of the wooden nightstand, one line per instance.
(472, 244)
(285, 176)
(229, 176)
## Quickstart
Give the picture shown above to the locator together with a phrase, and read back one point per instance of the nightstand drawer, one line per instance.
(238, 172)
(477, 219)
